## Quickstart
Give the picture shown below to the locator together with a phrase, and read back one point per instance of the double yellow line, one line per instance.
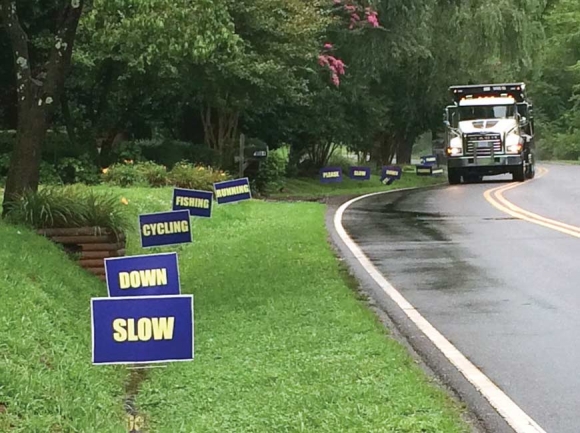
(495, 197)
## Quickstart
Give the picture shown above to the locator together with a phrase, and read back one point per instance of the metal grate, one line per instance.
(482, 144)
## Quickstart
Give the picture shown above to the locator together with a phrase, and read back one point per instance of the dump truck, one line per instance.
(489, 130)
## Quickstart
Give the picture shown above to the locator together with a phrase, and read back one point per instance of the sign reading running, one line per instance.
(198, 203)
(232, 191)
(142, 330)
(148, 275)
(165, 228)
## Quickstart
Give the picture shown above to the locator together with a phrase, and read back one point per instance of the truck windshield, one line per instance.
(486, 112)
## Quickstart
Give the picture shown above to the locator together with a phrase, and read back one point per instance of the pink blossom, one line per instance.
(323, 60)
(336, 2)
(339, 65)
(350, 8)
(335, 80)
(328, 46)
(355, 17)
(372, 19)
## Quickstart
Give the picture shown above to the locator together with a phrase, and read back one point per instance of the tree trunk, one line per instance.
(24, 170)
(404, 151)
(36, 95)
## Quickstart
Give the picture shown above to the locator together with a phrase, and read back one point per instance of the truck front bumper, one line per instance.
(496, 164)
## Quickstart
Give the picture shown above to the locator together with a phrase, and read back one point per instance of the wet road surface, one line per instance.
(504, 291)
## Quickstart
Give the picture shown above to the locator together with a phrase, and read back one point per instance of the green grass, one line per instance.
(282, 343)
(47, 383)
(313, 188)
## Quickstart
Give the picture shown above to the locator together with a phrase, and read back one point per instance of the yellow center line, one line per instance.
(495, 197)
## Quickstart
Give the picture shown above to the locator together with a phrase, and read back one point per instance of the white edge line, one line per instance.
(507, 408)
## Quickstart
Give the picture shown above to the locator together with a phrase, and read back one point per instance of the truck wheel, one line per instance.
(519, 174)
(531, 173)
(453, 176)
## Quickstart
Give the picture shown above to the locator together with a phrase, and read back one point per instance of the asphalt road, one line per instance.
(504, 291)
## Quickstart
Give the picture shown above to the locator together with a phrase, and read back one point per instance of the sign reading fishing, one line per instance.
(142, 330)
(165, 228)
(360, 173)
(330, 174)
(232, 191)
(198, 203)
(146, 275)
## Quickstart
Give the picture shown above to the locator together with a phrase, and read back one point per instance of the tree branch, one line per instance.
(19, 42)
(61, 53)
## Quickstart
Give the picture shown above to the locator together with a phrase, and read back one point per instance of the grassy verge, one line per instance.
(312, 188)
(47, 383)
(282, 344)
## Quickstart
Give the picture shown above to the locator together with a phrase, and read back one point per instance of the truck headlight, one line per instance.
(455, 147)
(513, 143)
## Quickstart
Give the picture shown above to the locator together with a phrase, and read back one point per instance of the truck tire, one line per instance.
(531, 171)
(519, 174)
(453, 176)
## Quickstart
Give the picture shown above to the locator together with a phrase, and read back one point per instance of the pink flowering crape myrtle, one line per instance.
(354, 11)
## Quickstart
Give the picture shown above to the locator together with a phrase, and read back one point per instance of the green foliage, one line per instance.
(342, 161)
(123, 174)
(48, 382)
(271, 173)
(156, 175)
(190, 176)
(68, 207)
(49, 175)
(78, 170)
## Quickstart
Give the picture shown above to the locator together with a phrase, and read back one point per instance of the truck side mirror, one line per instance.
(523, 121)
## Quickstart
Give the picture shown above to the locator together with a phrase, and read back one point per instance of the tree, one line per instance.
(39, 81)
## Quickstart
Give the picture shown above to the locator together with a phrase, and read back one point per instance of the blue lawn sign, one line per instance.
(424, 170)
(390, 173)
(147, 275)
(330, 174)
(198, 203)
(165, 228)
(429, 160)
(142, 330)
(232, 191)
(360, 173)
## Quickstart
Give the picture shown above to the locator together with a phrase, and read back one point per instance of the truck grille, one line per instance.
(489, 142)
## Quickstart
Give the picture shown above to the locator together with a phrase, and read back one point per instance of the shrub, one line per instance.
(185, 175)
(48, 174)
(68, 207)
(124, 174)
(78, 170)
(341, 161)
(156, 175)
(270, 175)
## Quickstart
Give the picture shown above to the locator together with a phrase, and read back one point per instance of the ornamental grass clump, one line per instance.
(69, 207)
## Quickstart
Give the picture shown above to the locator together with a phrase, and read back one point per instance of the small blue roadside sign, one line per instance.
(232, 191)
(360, 173)
(330, 174)
(390, 173)
(424, 170)
(142, 330)
(146, 275)
(198, 203)
(165, 228)
(429, 160)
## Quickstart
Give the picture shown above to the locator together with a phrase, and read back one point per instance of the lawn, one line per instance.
(282, 342)
(47, 383)
(307, 188)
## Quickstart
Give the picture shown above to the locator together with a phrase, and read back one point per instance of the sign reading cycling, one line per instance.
(165, 228)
